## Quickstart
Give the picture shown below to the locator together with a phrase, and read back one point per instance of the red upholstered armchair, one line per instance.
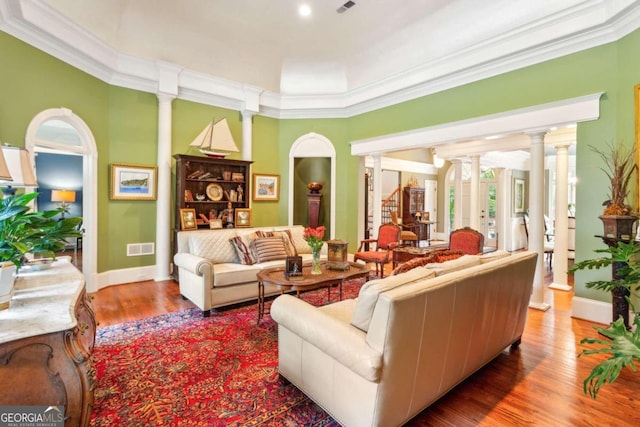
(466, 239)
(388, 239)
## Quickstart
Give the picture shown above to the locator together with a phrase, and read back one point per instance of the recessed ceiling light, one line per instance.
(304, 10)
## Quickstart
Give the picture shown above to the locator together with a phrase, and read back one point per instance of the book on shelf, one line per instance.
(204, 218)
(188, 196)
(195, 174)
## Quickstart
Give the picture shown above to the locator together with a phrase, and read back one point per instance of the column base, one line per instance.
(540, 306)
(560, 286)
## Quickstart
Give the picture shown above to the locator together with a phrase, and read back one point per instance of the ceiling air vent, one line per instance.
(348, 5)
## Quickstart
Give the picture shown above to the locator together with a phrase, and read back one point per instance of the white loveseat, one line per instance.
(211, 273)
(382, 358)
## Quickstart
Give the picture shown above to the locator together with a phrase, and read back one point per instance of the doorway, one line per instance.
(60, 131)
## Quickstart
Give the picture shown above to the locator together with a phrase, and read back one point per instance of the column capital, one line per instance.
(537, 135)
(165, 97)
(247, 114)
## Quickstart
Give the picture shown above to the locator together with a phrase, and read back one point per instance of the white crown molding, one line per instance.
(545, 116)
(597, 22)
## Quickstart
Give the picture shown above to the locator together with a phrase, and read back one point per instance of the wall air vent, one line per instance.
(348, 5)
(137, 249)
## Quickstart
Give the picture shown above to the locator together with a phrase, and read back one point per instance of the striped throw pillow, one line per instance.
(269, 249)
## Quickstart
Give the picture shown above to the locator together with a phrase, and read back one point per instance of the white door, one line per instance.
(488, 218)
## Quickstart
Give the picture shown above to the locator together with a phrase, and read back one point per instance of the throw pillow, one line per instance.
(243, 250)
(285, 235)
(413, 263)
(269, 249)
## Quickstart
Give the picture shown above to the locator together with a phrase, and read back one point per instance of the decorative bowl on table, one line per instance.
(39, 264)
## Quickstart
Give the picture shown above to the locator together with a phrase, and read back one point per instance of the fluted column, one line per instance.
(457, 202)
(247, 134)
(503, 217)
(474, 207)
(561, 233)
(536, 217)
(163, 185)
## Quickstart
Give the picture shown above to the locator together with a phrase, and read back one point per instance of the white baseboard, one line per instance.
(592, 310)
(126, 275)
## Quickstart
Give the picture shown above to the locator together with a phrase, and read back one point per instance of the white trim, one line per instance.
(125, 275)
(307, 146)
(558, 113)
(393, 164)
(89, 153)
(594, 23)
(592, 310)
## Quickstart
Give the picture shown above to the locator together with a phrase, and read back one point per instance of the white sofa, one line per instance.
(382, 358)
(211, 273)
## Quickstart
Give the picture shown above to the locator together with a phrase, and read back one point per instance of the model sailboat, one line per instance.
(215, 140)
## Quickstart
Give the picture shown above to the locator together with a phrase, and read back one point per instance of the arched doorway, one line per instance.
(60, 131)
(310, 146)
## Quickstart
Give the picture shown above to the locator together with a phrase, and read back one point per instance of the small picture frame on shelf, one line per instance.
(188, 219)
(215, 224)
(243, 217)
(293, 267)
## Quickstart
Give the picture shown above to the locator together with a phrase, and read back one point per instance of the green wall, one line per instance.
(124, 123)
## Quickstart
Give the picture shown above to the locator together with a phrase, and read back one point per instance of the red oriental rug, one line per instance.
(182, 369)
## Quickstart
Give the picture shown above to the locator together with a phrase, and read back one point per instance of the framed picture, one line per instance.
(293, 267)
(133, 182)
(243, 217)
(266, 187)
(188, 219)
(215, 223)
(518, 195)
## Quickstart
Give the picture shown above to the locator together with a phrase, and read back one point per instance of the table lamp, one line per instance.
(18, 164)
(64, 197)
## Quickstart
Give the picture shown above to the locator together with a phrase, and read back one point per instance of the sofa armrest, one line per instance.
(193, 263)
(343, 342)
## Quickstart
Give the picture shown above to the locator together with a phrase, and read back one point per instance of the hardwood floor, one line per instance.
(538, 384)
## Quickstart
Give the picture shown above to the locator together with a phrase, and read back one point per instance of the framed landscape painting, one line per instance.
(266, 187)
(518, 195)
(133, 182)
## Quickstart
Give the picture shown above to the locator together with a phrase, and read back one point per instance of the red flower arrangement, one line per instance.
(313, 237)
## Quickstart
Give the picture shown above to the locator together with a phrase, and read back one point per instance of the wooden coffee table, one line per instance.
(328, 278)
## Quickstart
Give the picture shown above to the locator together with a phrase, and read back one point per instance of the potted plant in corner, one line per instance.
(623, 343)
(23, 231)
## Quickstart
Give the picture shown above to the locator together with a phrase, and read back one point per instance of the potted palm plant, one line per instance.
(620, 167)
(24, 231)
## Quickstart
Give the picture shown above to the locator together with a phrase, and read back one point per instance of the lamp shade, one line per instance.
(5, 175)
(68, 196)
(19, 165)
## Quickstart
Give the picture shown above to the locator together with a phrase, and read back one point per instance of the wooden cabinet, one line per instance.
(208, 185)
(46, 343)
(412, 202)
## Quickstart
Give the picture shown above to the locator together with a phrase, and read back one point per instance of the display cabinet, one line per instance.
(209, 187)
(412, 202)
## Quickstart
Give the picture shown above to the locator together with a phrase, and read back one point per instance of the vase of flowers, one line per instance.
(313, 237)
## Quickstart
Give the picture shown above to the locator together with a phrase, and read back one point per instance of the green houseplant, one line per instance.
(23, 231)
(623, 343)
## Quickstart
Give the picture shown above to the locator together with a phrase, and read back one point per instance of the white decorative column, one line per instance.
(561, 233)
(377, 193)
(163, 185)
(168, 75)
(251, 106)
(474, 207)
(502, 207)
(536, 217)
(457, 203)
(247, 135)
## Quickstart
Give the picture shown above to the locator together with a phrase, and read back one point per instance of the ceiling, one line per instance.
(266, 44)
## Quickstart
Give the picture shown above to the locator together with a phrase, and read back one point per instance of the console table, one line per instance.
(46, 341)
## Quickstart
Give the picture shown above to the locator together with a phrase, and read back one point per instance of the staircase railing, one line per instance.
(391, 203)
